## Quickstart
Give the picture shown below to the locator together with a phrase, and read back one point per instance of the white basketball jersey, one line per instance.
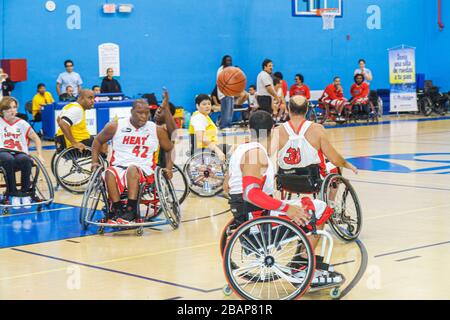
(234, 169)
(131, 146)
(298, 152)
(14, 136)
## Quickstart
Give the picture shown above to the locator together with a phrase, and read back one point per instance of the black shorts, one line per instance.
(241, 208)
(60, 142)
(265, 103)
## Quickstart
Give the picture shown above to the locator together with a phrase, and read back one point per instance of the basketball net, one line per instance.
(328, 16)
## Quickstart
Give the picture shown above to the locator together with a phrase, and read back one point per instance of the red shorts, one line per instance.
(120, 174)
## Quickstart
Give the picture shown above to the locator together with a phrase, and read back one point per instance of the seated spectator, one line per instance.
(6, 85)
(284, 85)
(279, 106)
(360, 92)
(109, 84)
(215, 100)
(252, 102)
(299, 88)
(42, 98)
(68, 78)
(14, 154)
(96, 89)
(68, 96)
(333, 95)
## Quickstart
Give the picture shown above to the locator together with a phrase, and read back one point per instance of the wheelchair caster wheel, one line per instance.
(335, 293)
(350, 228)
(227, 290)
(101, 231)
(139, 231)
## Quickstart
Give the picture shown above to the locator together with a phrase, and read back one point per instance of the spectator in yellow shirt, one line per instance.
(41, 98)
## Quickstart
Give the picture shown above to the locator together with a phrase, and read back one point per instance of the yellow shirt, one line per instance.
(39, 101)
(200, 122)
(79, 126)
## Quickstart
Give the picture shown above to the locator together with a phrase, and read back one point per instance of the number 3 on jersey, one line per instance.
(137, 151)
(292, 156)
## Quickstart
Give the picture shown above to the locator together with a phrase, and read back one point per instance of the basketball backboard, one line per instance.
(308, 8)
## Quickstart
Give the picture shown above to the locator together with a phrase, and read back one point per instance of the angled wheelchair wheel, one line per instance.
(41, 185)
(72, 169)
(226, 233)
(167, 198)
(346, 220)
(269, 258)
(94, 198)
(180, 183)
(205, 173)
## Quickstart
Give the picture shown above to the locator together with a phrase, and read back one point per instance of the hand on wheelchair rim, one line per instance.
(168, 173)
(80, 146)
(94, 166)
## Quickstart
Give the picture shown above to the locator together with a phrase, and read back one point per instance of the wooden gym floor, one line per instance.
(403, 251)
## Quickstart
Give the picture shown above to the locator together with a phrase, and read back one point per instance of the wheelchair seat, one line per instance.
(300, 180)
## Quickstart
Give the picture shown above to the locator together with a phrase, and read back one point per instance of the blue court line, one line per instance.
(400, 185)
(113, 271)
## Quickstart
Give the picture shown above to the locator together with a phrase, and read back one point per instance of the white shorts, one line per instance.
(120, 174)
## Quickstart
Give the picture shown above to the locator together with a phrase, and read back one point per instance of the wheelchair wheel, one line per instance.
(311, 115)
(205, 173)
(180, 182)
(167, 198)
(72, 169)
(346, 220)
(42, 187)
(263, 260)
(426, 106)
(95, 198)
(226, 233)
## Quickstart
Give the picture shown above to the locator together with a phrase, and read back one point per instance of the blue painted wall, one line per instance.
(179, 44)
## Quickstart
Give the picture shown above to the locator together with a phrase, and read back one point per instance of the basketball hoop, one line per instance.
(328, 16)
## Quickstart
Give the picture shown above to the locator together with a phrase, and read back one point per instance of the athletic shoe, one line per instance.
(26, 201)
(15, 201)
(126, 218)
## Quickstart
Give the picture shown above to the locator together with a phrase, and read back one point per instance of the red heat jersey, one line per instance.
(300, 91)
(359, 91)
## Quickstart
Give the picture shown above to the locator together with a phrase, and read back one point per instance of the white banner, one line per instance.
(119, 113)
(402, 76)
(108, 57)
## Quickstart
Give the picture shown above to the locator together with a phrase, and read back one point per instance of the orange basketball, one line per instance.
(231, 81)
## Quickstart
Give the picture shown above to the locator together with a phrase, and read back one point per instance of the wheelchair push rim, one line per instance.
(346, 220)
(205, 173)
(261, 260)
(72, 169)
(41, 192)
(96, 193)
(167, 198)
(182, 191)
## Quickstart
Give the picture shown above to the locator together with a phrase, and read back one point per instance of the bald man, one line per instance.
(72, 129)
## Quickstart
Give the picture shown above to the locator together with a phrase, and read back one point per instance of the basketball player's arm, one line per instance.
(168, 118)
(102, 138)
(166, 144)
(226, 187)
(331, 153)
(33, 136)
(253, 162)
(275, 145)
(65, 128)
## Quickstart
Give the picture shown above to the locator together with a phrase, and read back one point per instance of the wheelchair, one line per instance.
(336, 191)
(157, 196)
(329, 113)
(42, 192)
(205, 172)
(366, 111)
(431, 100)
(72, 169)
(272, 258)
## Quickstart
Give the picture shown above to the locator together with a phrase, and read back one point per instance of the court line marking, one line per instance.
(112, 271)
(412, 249)
(33, 212)
(400, 185)
(409, 258)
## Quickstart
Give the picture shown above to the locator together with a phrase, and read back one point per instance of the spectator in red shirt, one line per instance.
(360, 91)
(333, 95)
(299, 88)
